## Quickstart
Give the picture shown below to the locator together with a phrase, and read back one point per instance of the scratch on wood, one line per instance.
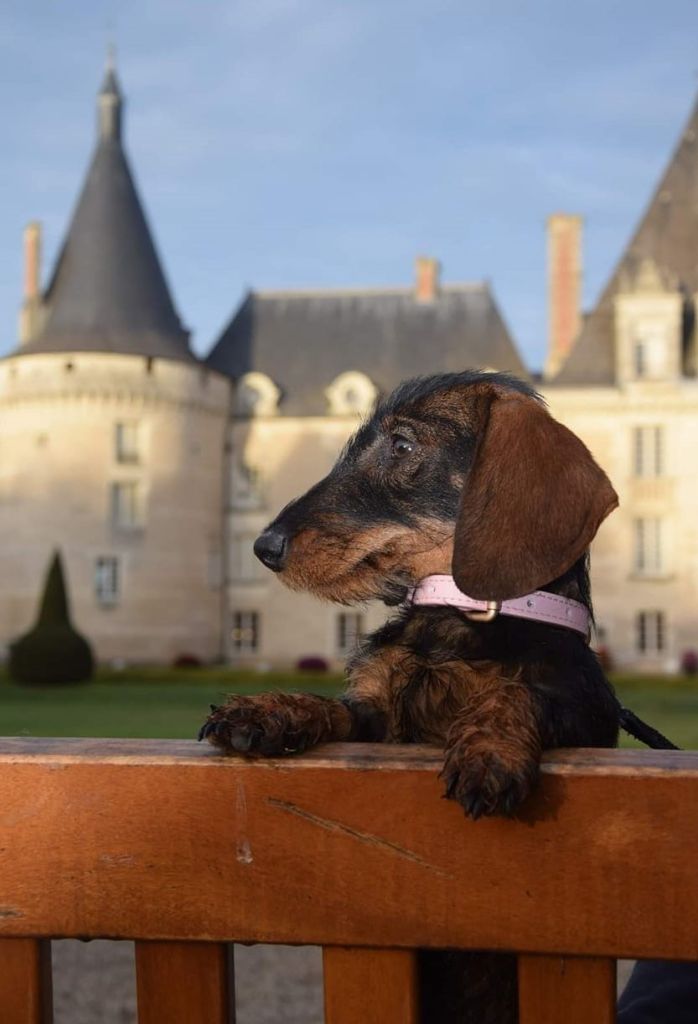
(116, 858)
(243, 850)
(6, 912)
(363, 837)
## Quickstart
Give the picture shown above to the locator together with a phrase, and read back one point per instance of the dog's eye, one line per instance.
(402, 446)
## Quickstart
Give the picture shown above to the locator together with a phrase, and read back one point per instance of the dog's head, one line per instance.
(462, 473)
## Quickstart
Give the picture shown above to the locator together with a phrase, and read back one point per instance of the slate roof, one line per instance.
(304, 340)
(668, 236)
(108, 292)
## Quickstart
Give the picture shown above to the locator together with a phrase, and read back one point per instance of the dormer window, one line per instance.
(648, 325)
(351, 394)
(649, 353)
(257, 395)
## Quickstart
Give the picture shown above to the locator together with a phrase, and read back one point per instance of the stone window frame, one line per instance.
(649, 451)
(651, 632)
(351, 393)
(245, 631)
(127, 442)
(127, 515)
(650, 555)
(350, 627)
(256, 395)
(107, 580)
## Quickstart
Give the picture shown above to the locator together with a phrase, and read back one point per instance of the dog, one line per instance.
(463, 482)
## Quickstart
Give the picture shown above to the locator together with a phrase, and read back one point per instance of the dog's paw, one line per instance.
(484, 781)
(251, 725)
(275, 724)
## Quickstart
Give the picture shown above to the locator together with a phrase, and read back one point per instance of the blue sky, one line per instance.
(284, 143)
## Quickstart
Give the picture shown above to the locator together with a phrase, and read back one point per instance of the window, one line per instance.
(650, 353)
(245, 567)
(126, 442)
(126, 505)
(650, 632)
(350, 628)
(107, 580)
(245, 632)
(649, 554)
(351, 394)
(648, 451)
(257, 395)
(246, 486)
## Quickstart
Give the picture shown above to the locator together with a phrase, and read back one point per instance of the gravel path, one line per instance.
(94, 983)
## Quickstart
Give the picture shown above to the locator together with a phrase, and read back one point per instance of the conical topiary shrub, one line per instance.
(52, 651)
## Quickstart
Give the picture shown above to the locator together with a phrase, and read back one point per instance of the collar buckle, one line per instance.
(492, 611)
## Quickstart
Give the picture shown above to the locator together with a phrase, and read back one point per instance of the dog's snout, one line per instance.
(270, 548)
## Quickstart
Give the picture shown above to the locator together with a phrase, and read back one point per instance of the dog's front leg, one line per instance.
(493, 750)
(274, 724)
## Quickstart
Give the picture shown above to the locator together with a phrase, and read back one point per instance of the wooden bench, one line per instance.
(350, 847)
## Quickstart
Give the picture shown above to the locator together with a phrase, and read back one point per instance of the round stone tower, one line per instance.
(112, 434)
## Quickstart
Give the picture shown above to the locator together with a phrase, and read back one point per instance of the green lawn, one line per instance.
(167, 703)
(669, 704)
(148, 703)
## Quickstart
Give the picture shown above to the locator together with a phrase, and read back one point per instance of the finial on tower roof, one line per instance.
(110, 101)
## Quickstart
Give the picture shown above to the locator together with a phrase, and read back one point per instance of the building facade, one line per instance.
(112, 435)
(153, 471)
(628, 386)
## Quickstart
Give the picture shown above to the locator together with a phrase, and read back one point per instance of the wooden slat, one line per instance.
(185, 983)
(25, 981)
(370, 986)
(158, 840)
(567, 990)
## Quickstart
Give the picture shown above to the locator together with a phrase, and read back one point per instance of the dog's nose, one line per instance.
(270, 548)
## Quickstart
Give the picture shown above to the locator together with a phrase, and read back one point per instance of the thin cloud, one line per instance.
(290, 142)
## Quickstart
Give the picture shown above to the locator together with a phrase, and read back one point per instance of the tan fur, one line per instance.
(327, 563)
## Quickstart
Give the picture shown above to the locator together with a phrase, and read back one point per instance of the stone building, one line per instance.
(112, 434)
(153, 471)
(628, 386)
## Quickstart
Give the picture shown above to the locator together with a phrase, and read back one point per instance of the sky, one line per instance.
(302, 143)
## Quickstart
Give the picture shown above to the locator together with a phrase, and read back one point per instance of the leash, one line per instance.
(643, 732)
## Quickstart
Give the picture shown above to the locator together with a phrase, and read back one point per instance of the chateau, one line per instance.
(152, 471)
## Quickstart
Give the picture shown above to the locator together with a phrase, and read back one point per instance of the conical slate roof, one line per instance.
(108, 292)
(667, 236)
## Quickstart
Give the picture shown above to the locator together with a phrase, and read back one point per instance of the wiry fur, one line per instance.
(486, 463)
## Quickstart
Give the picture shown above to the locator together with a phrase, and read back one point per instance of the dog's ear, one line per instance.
(531, 503)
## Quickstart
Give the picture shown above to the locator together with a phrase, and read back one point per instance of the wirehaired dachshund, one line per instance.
(464, 475)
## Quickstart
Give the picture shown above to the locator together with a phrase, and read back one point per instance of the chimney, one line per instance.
(31, 306)
(564, 287)
(426, 285)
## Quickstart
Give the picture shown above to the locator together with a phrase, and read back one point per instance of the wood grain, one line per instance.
(185, 983)
(567, 990)
(25, 982)
(169, 841)
(373, 986)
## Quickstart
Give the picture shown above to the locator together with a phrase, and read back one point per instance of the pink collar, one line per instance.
(541, 606)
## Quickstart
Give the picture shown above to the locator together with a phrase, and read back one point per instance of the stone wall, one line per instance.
(59, 466)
